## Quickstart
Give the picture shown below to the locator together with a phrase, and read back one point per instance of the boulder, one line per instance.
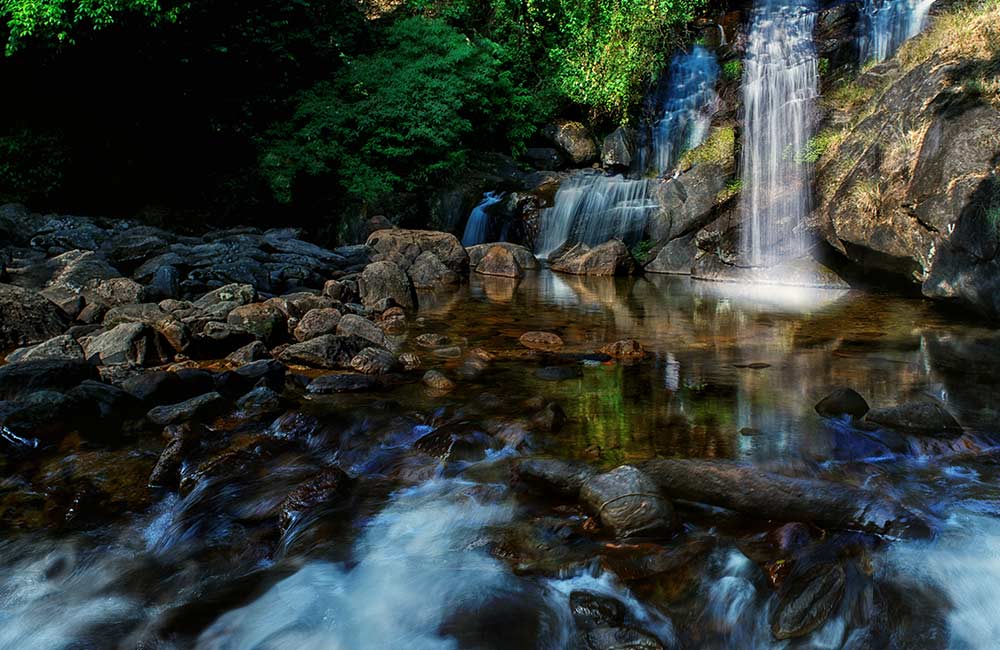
(429, 272)
(843, 401)
(317, 322)
(128, 343)
(118, 291)
(48, 374)
(621, 638)
(553, 476)
(381, 280)
(261, 402)
(229, 297)
(807, 601)
(500, 262)
(196, 408)
(574, 140)
(545, 341)
(628, 503)
(610, 258)
(26, 317)
(373, 361)
(45, 416)
(267, 323)
(59, 347)
(175, 332)
(354, 325)
(436, 380)
(403, 247)
(544, 158)
(618, 150)
(922, 418)
(254, 351)
(591, 610)
(328, 351)
(524, 257)
(351, 383)
(676, 257)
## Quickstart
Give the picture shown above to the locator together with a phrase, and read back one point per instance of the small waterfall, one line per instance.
(779, 89)
(593, 208)
(887, 24)
(477, 229)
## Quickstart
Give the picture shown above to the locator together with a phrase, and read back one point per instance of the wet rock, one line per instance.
(25, 377)
(128, 343)
(354, 325)
(409, 361)
(317, 322)
(544, 158)
(218, 340)
(573, 139)
(261, 402)
(393, 321)
(922, 418)
(45, 416)
(165, 284)
(607, 259)
(346, 383)
(106, 410)
(166, 473)
(197, 408)
(619, 149)
(160, 387)
(382, 280)
(373, 361)
(522, 255)
(254, 351)
(429, 272)
(675, 257)
(26, 318)
(476, 362)
(330, 485)
(266, 323)
(550, 418)
(559, 373)
(342, 291)
(328, 352)
(432, 340)
(553, 476)
(461, 441)
(621, 638)
(843, 401)
(60, 347)
(173, 331)
(628, 503)
(545, 341)
(499, 261)
(807, 601)
(629, 349)
(437, 381)
(591, 610)
(403, 247)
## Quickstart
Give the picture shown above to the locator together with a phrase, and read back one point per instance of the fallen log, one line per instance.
(751, 491)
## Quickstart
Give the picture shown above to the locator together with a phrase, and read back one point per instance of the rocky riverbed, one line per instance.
(244, 440)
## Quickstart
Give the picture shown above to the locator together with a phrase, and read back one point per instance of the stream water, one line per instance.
(431, 554)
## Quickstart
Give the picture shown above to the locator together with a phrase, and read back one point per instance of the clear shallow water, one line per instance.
(425, 554)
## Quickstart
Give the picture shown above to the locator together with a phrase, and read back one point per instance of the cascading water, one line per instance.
(592, 208)
(477, 229)
(779, 90)
(886, 24)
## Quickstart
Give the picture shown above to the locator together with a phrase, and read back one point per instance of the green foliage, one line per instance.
(31, 166)
(824, 66)
(733, 187)
(642, 250)
(816, 146)
(399, 118)
(732, 70)
(719, 148)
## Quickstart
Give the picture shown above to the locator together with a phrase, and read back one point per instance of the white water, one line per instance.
(780, 85)
(593, 208)
(887, 24)
(477, 228)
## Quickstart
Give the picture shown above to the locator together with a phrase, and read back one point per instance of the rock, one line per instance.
(559, 373)
(476, 362)
(128, 343)
(552, 476)
(429, 272)
(317, 322)
(27, 318)
(118, 291)
(228, 297)
(766, 495)
(409, 361)
(197, 408)
(544, 158)
(327, 351)
(165, 284)
(249, 353)
(610, 258)
(79, 270)
(218, 340)
(176, 333)
(628, 503)
(160, 387)
(267, 372)
(181, 438)
(460, 441)
(807, 601)
(545, 341)
(403, 247)
(843, 401)
(572, 139)
(500, 262)
(437, 381)
(25, 377)
(341, 291)
(70, 302)
(922, 418)
(265, 322)
(675, 257)
(354, 325)
(45, 416)
(432, 340)
(385, 279)
(59, 347)
(393, 321)
(619, 149)
(329, 485)
(688, 201)
(354, 383)
(621, 638)
(591, 610)
(261, 402)
(551, 418)
(523, 256)
(373, 361)
(106, 411)
(627, 349)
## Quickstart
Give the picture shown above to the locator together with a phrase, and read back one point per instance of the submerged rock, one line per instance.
(609, 258)
(591, 610)
(436, 380)
(843, 401)
(807, 601)
(330, 484)
(346, 383)
(545, 341)
(927, 418)
(554, 476)
(621, 638)
(373, 361)
(196, 408)
(628, 503)
(629, 349)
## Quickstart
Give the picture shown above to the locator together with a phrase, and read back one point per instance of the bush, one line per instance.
(31, 166)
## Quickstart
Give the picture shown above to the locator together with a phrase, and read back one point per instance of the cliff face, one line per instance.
(907, 185)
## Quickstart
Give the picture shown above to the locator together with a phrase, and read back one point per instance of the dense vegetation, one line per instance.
(318, 108)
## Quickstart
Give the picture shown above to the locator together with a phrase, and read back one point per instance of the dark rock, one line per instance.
(610, 258)
(574, 140)
(628, 503)
(428, 271)
(385, 279)
(331, 484)
(341, 291)
(27, 318)
(166, 283)
(500, 261)
(461, 441)
(22, 378)
(176, 333)
(621, 638)
(261, 402)
(551, 476)
(675, 257)
(807, 601)
(224, 299)
(551, 418)
(218, 340)
(523, 256)
(403, 247)
(352, 383)
(619, 149)
(437, 381)
(60, 347)
(627, 349)
(926, 418)
(156, 388)
(591, 610)
(197, 408)
(545, 158)
(108, 407)
(843, 401)
(559, 373)
(545, 341)
(317, 322)
(118, 291)
(373, 361)
(265, 322)
(266, 372)
(328, 351)
(357, 326)
(128, 343)
(254, 351)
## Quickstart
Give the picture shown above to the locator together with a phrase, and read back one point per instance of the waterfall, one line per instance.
(477, 229)
(779, 89)
(886, 24)
(592, 208)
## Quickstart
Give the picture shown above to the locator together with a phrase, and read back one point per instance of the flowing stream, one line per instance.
(478, 227)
